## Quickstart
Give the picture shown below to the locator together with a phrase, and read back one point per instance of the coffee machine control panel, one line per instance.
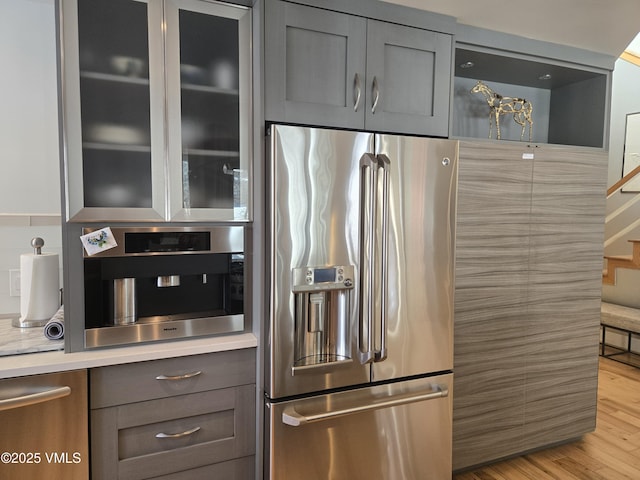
(311, 279)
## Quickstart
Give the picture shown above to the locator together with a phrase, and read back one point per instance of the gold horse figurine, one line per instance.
(498, 105)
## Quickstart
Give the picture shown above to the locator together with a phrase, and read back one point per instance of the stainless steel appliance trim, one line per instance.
(291, 417)
(224, 239)
(33, 398)
(148, 332)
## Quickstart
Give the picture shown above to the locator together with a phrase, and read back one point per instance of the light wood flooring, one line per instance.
(612, 452)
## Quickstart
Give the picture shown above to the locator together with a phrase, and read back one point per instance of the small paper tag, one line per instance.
(98, 241)
(528, 156)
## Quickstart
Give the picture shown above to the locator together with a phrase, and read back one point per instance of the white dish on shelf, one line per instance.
(114, 133)
(192, 74)
(222, 74)
(193, 133)
(124, 65)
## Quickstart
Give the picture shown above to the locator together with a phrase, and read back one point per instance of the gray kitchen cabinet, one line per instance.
(527, 301)
(156, 110)
(330, 68)
(174, 418)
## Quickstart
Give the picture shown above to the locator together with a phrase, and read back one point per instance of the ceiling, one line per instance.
(605, 26)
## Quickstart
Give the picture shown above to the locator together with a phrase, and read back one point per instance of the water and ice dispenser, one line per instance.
(322, 310)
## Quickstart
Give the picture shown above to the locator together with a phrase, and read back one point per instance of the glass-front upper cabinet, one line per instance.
(208, 85)
(157, 110)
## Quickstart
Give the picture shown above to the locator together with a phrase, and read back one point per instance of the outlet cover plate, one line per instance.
(14, 282)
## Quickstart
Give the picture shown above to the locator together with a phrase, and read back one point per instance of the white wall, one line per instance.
(29, 165)
(625, 98)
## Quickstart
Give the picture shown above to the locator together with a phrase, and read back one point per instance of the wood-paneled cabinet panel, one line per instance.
(528, 282)
(336, 69)
(567, 229)
(492, 242)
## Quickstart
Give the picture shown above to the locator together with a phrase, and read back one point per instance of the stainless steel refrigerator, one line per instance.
(359, 368)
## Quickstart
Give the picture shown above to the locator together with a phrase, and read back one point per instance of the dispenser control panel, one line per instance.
(335, 277)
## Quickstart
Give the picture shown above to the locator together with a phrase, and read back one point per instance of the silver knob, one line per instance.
(37, 243)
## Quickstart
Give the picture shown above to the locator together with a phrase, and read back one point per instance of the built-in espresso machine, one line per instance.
(161, 283)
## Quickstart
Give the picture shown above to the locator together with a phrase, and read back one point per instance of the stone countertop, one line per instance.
(58, 361)
(15, 341)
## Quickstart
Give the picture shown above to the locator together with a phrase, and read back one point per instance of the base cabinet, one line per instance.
(527, 301)
(191, 417)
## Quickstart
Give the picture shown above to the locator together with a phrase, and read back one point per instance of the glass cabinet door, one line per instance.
(208, 78)
(113, 92)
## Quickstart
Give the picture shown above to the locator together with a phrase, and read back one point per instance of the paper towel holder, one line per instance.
(37, 243)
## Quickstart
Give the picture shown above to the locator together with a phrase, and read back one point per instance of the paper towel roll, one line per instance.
(54, 328)
(39, 287)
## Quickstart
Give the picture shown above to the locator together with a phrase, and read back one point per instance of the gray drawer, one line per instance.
(135, 382)
(195, 430)
(238, 469)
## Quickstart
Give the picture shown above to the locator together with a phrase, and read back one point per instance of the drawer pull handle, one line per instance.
(178, 435)
(179, 377)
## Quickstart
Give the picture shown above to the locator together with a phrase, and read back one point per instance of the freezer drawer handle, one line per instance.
(33, 398)
(291, 417)
(179, 377)
(178, 435)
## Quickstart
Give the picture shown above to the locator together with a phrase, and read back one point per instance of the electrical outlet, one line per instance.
(14, 282)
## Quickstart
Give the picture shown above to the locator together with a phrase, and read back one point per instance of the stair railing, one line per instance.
(632, 201)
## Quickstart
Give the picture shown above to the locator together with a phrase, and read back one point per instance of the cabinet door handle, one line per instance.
(33, 398)
(357, 92)
(376, 94)
(179, 377)
(178, 435)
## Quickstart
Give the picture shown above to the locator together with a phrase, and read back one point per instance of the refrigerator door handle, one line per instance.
(368, 183)
(382, 288)
(295, 419)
